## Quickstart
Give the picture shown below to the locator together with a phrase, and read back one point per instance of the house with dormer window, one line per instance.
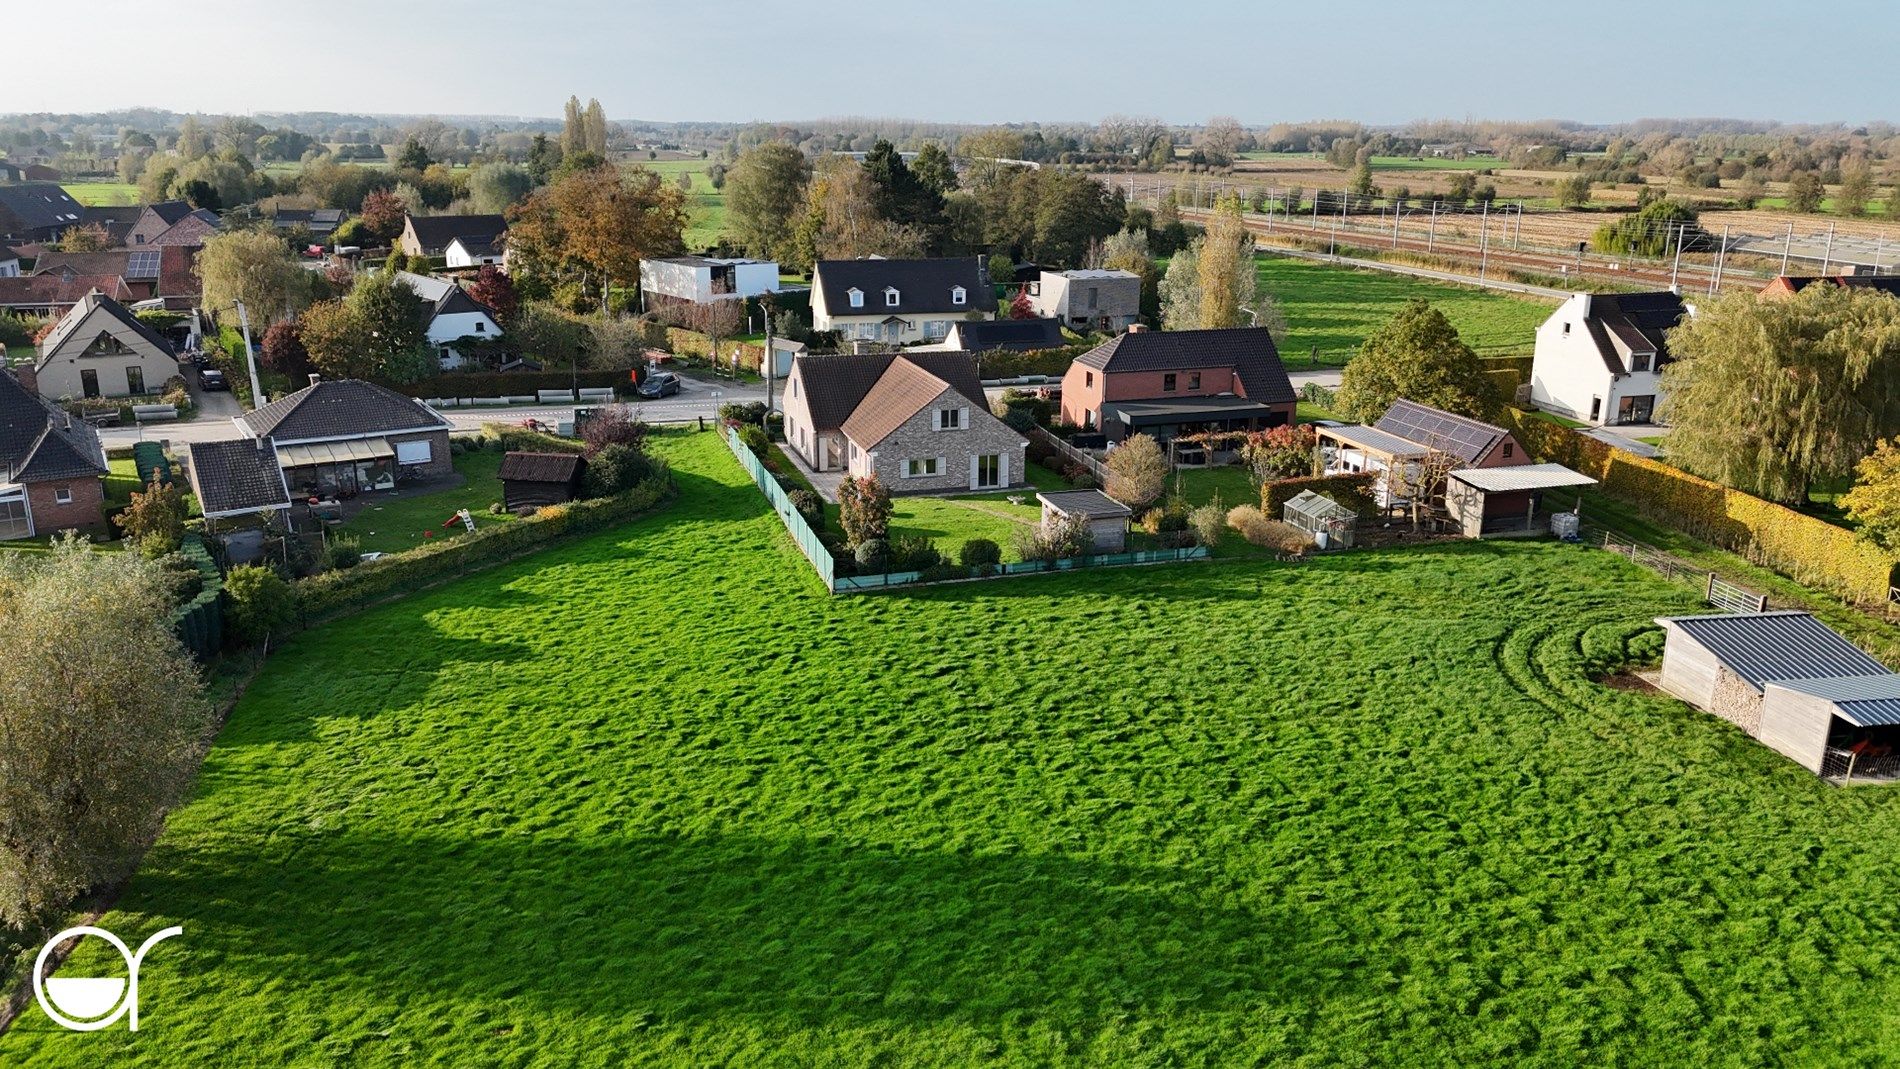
(899, 302)
(1599, 356)
(99, 349)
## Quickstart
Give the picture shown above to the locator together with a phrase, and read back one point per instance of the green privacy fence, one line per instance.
(820, 557)
(200, 621)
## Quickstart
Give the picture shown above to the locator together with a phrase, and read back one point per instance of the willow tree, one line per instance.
(1773, 396)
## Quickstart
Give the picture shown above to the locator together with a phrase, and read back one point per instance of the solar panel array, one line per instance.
(142, 265)
(1440, 430)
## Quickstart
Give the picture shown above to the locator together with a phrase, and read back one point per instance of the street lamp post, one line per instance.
(250, 355)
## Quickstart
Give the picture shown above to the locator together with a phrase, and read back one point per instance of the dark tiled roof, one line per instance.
(237, 475)
(39, 442)
(316, 220)
(434, 232)
(922, 285)
(1467, 439)
(35, 291)
(99, 302)
(540, 467)
(345, 408)
(1639, 320)
(1767, 646)
(476, 246)
(455, 301)
(1022, 335)
(1248, 350)
(41, 205)
(835, 385)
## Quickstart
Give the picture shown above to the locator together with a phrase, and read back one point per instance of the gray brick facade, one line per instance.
(979, 434)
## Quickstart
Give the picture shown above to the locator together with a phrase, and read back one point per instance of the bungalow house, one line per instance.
(55, 294)
(1017, 335)
(899, 302)
(319, 223)
(99, 349)
(1788, 285)
(155, 219)
(348, 436)
(704, 279)
(430, 235)
(449, 315)
(1089, 299)
(1599, 355)
(140, 268)
(52, 467)
(37, 211)
(116, 220)
(190, 231)
(919, 421)
(1169, 383)
(1790, 681)
(1407, 438)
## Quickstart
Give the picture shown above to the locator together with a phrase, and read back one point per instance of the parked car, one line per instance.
(212, 379)
(660, 384)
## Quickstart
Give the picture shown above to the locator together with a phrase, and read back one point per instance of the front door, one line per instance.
(89, 382)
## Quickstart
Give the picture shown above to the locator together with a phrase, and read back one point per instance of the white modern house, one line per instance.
(704, 279)
(450, 314)
(1599, 356)
(899, 302)
(476, 251)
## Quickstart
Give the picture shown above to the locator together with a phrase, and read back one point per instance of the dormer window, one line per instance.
(959, 296)
(857, 297)
(890, 296)
(1639, 362)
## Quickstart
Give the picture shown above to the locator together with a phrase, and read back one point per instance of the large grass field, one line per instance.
(108, 193)
(1333, 308)
(653, 798)
(707, 224)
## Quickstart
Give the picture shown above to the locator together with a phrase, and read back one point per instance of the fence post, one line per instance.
(1708, 594)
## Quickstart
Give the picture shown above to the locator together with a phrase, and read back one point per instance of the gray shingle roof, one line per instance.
(922, 285)
(1774, 646)
(1091, 503)
(1640, 320)
(345, 408)
(1248, 350)
(1866, 701)
(41, 205)
(435, 232)
(96, 301)
(836, 385)
(39, 442)
(237, 476)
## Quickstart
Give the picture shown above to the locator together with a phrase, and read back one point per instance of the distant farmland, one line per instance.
(1332, 309)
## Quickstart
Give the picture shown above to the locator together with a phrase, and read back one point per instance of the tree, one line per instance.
(97, 742)
(1127, 250)
(544, 156)
(598, 224)
(1281, 452)
(253, 266)
(841, 220)
(1574, 191)
(1417, 355)
(493, 188)
(91, 237)
(1137, 471)
(1359, 181)
(258, 603)
(1225, 265)
(897, 193)
(1654, 230)
(1771, 396)
(556, 336)
(864, 509)
(1220, 141)
(612, 425)
(1180, 290)
(764, 193)
(389, 324)
(1020, 306)
(1750, 190)
(1857, 188)
(1805, 192)
(494, 288)
(1874, 502)
(594, 128)
(283, 350)
(573, 128)
(155, 520)
(382, 213)
(934, 169)
(413, 157)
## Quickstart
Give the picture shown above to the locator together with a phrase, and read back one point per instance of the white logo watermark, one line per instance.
(94, 1001)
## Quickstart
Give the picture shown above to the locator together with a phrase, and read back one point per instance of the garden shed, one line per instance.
(1488, 502)
(534, 480)
(1107, 518)
(1839, 725)
(1330, 523)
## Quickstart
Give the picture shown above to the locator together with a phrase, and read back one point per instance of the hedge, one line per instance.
(518, 383)
(1351, 490)
(335, 592)
(1009, 363)
(199, 623)
(514, 438)
(1808, 550)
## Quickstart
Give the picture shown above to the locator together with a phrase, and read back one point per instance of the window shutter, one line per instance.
(1002, 469)
(936, 419)
(972, 471)
(963, 418)
(943, 465)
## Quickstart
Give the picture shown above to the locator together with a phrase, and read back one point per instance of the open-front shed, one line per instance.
(1490, 502)
(1330, 523)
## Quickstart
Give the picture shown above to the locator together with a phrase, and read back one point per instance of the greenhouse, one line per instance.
(1329, 522)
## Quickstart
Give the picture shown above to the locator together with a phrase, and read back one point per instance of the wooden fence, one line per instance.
(1716, 591)
(1068, 452)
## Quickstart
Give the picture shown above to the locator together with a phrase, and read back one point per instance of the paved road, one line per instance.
(696, 399)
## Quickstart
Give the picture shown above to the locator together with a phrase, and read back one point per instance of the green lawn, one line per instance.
(653, 798)
(1332, 308)
(395, 523)
(951, 521)
(707, 224)
(102, 192)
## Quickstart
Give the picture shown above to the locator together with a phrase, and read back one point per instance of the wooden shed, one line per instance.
(534, 480)
(1842, 725)
(1107, 517)
(1495, 502)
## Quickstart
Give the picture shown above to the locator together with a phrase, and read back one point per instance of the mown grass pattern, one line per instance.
(654, 798)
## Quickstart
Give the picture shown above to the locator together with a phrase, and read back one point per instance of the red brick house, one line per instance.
(52, 468)
(351, 436)
(1168, 383)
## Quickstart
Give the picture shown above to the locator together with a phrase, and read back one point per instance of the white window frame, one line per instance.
(892, 297)
(959, 296)
(855, 296)
(951, 419)
(936, 330)
(923, 467)
(405, 451)
(62, 495)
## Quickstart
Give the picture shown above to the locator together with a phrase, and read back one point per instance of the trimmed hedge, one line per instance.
(1350, 490)
(1009, 363)
(503, 383)
(333, 593)
(512, 438)
(199, 623)
(1808, 550)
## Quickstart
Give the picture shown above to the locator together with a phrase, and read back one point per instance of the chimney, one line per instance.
(1583, 306)
(1137, 328)
(29, 377)
(315, 378)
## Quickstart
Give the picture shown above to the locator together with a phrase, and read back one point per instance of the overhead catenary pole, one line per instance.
(1517, 229)
(1397, 207)
(1787, 246)
(1431, 231)
(1721, 257)
(1484, 237)
(1827, 256)
(1682, 229)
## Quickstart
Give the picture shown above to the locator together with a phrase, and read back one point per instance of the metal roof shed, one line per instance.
(1330, 523)
(1506, 501)
(1800, 717)
(1107, 518)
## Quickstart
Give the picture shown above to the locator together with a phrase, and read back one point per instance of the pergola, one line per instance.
(1358, 448)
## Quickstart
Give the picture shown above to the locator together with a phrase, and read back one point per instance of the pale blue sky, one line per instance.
(968, 60)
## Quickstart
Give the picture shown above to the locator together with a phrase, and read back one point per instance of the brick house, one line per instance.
(349, 435)
(1167, 383)
(918, 421)
(52, 467)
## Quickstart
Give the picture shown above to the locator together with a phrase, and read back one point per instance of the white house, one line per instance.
(899, 302)
(99, 349)
(1599, 356)
(450, 315)
(473, 252)
(704, 279)
(9, 263)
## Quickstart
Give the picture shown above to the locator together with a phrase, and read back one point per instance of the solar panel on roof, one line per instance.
(142, 265)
